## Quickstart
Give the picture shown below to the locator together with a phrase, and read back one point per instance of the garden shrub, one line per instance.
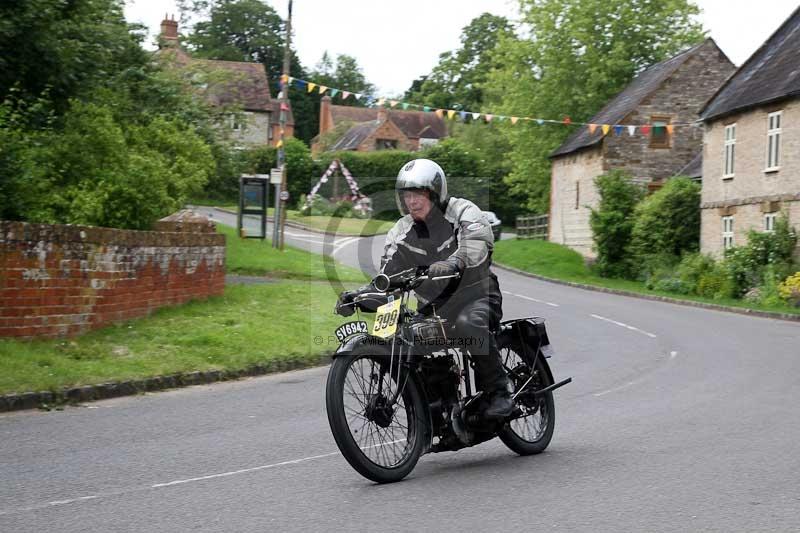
(612, 223)
(789, 289)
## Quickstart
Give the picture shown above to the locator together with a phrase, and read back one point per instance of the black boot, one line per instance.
(501, 404)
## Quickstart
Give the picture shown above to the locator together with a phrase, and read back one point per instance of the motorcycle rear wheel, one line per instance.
(381, 443)
(531, 433)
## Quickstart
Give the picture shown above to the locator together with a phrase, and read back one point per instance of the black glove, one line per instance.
(344, 306)
(442, 268)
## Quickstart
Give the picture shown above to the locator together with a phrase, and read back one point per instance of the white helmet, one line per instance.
(421, 174)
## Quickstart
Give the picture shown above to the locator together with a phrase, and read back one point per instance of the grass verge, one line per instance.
(560, 262)
(258, 258)
(247, 325)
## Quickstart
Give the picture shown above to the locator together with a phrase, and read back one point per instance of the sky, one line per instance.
(397, 42)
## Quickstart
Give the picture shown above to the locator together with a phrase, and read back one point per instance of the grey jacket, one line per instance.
(461, 235)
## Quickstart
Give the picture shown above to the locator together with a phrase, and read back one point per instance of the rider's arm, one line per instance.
(395, 257)
(474, 234)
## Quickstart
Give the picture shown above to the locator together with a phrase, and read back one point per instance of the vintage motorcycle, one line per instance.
(406, 387)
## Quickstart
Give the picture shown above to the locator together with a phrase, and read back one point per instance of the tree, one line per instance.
(570, 59)
(456, 82)
(250, 30)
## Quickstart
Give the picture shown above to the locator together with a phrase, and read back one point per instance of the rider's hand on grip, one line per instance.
(442, 268)
(344, 306)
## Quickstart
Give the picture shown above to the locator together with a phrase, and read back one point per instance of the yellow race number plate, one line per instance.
(386, 319)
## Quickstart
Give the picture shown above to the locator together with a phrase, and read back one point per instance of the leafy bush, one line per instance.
(746, 264)
(789, 289)
(668, 221)
(612, 223)
(716, 283)
(692, 267)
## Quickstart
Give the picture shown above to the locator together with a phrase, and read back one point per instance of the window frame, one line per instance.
(729, 142)
(667, 142)
(773, 133)
(727, 233)
(769, 222)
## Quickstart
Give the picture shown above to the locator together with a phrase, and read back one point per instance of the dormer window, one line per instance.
(659, 135)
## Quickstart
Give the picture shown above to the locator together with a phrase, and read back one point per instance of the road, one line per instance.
(678, 419)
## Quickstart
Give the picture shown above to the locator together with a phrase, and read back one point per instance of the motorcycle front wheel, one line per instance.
(381, 442)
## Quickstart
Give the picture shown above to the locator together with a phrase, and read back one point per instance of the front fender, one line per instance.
(383, 346)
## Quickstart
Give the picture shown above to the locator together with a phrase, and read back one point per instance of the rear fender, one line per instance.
(531, 334)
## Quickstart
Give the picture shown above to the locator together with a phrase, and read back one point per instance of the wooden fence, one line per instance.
(532, 227)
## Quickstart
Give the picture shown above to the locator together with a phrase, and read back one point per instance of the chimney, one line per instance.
(325, 115)
(383, 114)
(169, 32)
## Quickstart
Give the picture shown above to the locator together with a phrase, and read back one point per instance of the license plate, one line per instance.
(386, 319)
(351, 328)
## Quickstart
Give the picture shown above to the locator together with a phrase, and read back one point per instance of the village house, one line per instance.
(239, 84)
(751, 152)
(370, 129)
(667, 93)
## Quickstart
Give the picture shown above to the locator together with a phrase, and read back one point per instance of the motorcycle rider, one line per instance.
(451, 236)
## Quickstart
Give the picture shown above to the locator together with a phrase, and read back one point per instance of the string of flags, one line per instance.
(463, 115)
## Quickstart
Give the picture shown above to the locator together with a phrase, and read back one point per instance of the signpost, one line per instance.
(280, 203)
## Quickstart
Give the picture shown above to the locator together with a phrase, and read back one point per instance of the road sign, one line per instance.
(275, 176)
(284, 196)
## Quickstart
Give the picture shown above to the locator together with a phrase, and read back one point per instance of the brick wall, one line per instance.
(60, 280)
(752, 191)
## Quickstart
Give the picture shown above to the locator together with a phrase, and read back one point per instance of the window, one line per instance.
(659, 136)
(425, 141)
(773, 141)
(730, 151)
(386, 144)
(769, 222)
(727, 232)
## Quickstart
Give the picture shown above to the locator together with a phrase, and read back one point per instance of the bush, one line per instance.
(612, 223)
(789, 289)
(668, 221)
(746, 264)
(716, 283)
(692, 267)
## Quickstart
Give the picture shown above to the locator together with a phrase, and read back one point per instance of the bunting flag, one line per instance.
(284, 106)
(279, 143)
(644, 129)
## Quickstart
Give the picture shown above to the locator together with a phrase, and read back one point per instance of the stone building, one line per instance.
(751, 150)
(666, 93)
(366, 129)
(239, 84)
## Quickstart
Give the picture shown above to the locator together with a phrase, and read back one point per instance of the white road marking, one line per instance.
(551, 304)
(182, 481)
(623, 325)
(243, 471)
(342, 243)
(673, 355)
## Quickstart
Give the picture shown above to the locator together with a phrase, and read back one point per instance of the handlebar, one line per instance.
(405, 280)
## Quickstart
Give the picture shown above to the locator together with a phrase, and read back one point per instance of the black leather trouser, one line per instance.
(475, 312)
